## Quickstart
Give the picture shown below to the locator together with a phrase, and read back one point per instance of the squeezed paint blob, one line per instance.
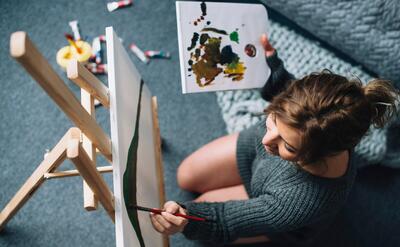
(208, 22)
(234, 36)
(250, 50)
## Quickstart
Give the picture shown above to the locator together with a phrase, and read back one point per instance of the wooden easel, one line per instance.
(80, 143)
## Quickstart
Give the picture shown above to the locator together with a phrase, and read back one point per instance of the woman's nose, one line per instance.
(270, 137)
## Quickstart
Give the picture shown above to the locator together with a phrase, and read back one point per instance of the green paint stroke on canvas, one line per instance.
(130, 175)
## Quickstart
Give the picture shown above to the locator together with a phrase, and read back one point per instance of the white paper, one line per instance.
(250, 21)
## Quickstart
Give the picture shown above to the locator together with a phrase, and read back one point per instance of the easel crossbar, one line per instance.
(70, 146)
(72, 173)
(54, 158)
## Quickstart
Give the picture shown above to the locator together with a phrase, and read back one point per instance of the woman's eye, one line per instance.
(291, 150)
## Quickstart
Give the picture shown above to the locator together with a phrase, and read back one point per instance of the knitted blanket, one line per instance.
(366, 30)
(241, 109)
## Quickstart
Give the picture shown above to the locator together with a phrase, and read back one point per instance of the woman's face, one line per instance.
(281, 139)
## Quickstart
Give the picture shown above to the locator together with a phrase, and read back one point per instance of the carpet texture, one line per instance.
(31, 123)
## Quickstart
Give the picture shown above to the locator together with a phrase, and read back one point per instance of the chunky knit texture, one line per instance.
(286, 203)
(241, 109)
(366, 30)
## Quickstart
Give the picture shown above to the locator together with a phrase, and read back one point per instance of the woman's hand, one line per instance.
(268, 48)
(166, 222)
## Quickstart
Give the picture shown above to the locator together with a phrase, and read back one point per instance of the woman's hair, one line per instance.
(332, 112)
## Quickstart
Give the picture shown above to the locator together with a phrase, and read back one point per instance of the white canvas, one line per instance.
(248, 20)
(124, 83)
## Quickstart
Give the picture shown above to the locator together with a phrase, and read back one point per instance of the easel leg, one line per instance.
(51, 162)
(89, 198)
(88, 171)
(159, 168)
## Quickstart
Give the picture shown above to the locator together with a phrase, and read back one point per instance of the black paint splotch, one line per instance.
(228, 56)
(203, 8)
(195, 37)
(203, 38)
(215, 30)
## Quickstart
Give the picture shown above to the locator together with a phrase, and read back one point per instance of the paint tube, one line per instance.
(139, 53)
(97, 68)
(157, 54)
(116, 5)
(103, 38)
(96, 50)
(75, 29)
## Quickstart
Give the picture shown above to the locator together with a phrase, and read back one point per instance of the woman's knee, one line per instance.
(185, 177)
(201, 171)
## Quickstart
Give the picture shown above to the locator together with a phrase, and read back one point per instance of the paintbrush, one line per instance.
(159, 211)
(71, 41)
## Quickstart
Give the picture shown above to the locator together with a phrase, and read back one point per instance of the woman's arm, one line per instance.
(228, 221)
(280, 78)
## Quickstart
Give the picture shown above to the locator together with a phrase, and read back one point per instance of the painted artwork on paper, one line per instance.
(219, 44)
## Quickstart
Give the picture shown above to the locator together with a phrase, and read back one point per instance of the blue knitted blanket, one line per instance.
(366, 30)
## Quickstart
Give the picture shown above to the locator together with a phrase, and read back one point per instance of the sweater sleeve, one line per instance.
(246, 151)
(280, 78)
(263, 215)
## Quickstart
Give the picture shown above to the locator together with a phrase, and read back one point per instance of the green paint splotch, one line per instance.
(130, 175)
(234, 36)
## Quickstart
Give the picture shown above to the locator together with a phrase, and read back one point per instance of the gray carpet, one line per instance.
(31, 121)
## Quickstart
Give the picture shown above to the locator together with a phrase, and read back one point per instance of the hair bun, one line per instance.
(383, 99)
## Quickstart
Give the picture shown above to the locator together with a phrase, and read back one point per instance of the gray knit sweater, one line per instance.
(287, 204)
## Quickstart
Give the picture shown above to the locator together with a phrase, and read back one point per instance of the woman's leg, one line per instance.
(237, 192)
(211, 167)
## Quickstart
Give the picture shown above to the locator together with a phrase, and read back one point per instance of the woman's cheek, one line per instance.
(286, 155)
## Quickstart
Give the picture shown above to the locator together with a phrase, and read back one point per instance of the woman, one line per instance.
(285, 178)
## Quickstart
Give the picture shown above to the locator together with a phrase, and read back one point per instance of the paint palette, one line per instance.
(219, 46)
